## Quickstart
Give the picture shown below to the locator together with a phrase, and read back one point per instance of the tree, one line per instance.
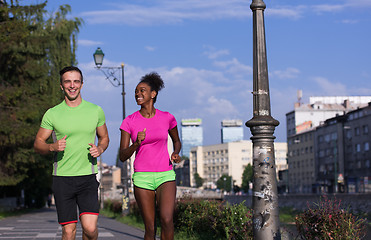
(225, 183)
(247, 177)
(32, 51)
(199, 181)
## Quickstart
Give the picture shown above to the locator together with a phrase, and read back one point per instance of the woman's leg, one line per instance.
(146, 202)
(166, 194)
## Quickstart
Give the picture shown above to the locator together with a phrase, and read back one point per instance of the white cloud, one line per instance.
(288, 73)
(235, 67)
(85, 42)
(175, 12)
(169, 12)
(328, 8)
(213, 53)
(330, 88)
(150, 48)
(357, 4)
(293, 12)
(349, 21)
(220, 107)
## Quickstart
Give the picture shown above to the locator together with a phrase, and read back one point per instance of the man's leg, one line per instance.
(69, 231)
(166, 194)
(87, 201)
(89, 223)
(65, 202)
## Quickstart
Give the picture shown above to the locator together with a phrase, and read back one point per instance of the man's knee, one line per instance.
(89, 226)
(69, 231)
(90, 232)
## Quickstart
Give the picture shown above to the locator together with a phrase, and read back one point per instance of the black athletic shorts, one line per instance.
(70, 192)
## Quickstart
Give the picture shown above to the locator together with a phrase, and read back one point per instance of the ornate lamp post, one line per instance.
(110, 73)
(262, 126)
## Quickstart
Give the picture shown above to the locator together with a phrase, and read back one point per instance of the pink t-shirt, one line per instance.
(152, 155)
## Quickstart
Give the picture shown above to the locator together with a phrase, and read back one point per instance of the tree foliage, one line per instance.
(247, 177)
(225, 183)
(199, 181)
(33, 48)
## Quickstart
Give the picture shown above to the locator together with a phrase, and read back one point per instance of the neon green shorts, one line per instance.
(152, 180)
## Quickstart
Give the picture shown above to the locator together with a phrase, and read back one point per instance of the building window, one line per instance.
(366, 146)
(327, 137)
(357, 131)
(320, 139)
(358, 147)
(367, 163)
(334, 136)
(348, 133)
(359, 165)
(321, 153)
(365, 129)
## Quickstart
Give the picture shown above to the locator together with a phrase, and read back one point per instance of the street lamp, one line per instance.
(262, 126)
(110, 73)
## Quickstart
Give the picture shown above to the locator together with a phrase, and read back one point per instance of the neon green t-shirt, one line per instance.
(79, 124)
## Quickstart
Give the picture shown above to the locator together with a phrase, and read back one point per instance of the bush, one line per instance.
(114, 206)
(329, 221)
(213, 219)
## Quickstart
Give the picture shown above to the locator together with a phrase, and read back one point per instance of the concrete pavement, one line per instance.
(42, 224)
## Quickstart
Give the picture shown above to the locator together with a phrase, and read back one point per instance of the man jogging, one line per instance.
(76, 123)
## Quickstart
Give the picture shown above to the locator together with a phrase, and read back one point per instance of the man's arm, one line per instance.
(42, 147)
(103, 141)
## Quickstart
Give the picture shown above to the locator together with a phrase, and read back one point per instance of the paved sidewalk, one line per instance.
(42, 224)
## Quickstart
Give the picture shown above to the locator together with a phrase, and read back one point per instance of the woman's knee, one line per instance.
(167, 221)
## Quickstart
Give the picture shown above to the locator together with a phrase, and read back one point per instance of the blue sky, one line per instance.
(203, 51)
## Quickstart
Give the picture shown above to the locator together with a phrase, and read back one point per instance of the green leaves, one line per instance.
(32, 51)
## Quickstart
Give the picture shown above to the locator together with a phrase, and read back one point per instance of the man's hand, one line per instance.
(59, 145)
(95, 151)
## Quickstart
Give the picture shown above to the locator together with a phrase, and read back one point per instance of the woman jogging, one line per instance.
(154, 177)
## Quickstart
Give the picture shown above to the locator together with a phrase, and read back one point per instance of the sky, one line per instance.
(204, 52)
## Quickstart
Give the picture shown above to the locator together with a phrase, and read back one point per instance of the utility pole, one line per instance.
(262, 126)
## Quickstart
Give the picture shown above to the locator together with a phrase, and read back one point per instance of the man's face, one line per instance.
(71, 85)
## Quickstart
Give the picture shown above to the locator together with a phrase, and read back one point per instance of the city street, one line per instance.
(42, 224)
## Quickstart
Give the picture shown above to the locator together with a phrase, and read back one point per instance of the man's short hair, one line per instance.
(70, 69)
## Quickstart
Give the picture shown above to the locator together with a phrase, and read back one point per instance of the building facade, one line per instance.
(231, 130)
(192, 135)
(343, 153)
(301, 162)
(231, 158)
(302, 136)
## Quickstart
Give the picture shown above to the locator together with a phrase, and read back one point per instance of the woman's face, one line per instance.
(143, 93)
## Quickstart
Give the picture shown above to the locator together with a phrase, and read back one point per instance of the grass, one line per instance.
(134, 221)
(287, 215)
(5, 214)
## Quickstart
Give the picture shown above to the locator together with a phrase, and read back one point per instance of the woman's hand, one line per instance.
(175, 158)
(141, 136)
